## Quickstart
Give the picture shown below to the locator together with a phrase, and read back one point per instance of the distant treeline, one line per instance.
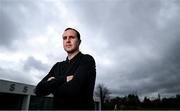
(132, 102)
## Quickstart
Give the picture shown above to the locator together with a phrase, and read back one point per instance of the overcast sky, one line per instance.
(135, 42)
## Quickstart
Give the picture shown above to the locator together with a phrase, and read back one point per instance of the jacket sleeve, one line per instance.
(45, 87)
(83, 81)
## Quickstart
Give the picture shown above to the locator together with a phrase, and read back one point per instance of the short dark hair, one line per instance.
(77, 33)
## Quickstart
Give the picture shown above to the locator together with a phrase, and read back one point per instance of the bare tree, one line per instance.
(102, 92)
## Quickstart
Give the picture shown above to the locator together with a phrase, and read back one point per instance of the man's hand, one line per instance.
(68, 78)
(51, 78)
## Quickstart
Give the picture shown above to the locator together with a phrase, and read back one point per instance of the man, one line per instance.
(71, 81)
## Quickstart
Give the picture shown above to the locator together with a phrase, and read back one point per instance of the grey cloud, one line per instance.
(21, 19)
(31, 63)
(160, 75)
(14, 75)
(158, 59)
(7, 30)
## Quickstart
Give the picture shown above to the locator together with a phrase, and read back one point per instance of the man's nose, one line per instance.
(68, 39)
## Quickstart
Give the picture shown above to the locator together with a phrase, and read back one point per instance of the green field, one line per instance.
(145, 110)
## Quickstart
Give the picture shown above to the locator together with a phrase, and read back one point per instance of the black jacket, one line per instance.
(75, 94)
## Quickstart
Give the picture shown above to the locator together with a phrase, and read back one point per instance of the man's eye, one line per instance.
(64, 38)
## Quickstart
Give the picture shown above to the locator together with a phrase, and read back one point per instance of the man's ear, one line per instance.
(79, 42)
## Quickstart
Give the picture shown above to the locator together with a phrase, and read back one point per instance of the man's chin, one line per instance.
(70, 51)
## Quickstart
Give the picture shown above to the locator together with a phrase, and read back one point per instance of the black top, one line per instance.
(75, 94)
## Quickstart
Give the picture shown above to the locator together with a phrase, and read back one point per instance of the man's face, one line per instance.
(70, 41)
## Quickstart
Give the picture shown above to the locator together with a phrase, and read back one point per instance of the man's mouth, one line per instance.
(68, 45)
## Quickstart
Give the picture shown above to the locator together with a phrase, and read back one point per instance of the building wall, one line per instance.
(17, 96)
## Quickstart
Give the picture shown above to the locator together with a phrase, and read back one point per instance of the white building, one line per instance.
(16, 96)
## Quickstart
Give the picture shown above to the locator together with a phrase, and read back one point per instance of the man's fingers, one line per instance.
(50, 78)
(68, 78)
